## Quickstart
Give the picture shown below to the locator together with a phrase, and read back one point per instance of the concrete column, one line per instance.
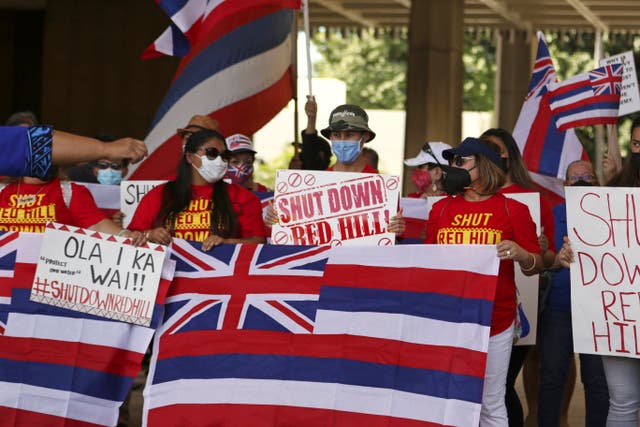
(434, 76)
(514, 64)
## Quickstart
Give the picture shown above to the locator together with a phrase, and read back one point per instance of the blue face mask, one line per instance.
(109, 176)
(346, 151)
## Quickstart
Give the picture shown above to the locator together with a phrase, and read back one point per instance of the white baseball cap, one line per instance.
(424, 157)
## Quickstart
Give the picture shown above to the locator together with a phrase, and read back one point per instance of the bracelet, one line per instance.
(121, 232)
(533, 265)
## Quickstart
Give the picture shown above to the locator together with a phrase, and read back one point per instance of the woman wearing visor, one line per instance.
(427, 175)
(476, 211)
(198, 205)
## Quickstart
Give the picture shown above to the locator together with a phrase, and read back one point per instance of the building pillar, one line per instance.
(434, 76)
(513, 74)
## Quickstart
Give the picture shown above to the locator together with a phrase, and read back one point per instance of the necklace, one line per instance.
(27, 199)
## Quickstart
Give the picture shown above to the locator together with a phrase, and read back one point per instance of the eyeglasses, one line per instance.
(112, 165)
(460, 160)
(586, 178)
(212, 153)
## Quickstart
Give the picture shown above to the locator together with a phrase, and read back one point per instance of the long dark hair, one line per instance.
(629, 175)
(517, 169)
(177, 193)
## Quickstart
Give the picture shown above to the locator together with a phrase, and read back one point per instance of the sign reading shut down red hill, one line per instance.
(334, 208)
(604, 230)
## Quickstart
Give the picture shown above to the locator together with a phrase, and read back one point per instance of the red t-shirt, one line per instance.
(367, 169)
(28, 207)
(454, 220)
(546, 213)
(194, 222)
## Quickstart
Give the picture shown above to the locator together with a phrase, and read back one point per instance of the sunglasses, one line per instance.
(460, 160)
(212, 153)
(586, 178)
(112, 165)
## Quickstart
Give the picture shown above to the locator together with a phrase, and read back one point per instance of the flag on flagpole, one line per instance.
(546, 151)
(587, 99)
(267, 336)
(237, 69)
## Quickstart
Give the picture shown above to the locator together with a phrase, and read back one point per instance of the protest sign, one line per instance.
(334, 208)
(97, 273)
(131, 192)
(602, 224)
(629, 94)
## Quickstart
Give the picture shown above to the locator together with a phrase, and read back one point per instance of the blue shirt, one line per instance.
(25, 151)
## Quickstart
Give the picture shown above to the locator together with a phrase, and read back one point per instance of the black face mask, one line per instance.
(635, 159)
(581, 183)
(455, 179)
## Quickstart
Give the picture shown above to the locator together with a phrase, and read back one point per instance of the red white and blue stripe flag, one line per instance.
(546, 150)
(237, 68)
(317, 336)
(60, 367)
(587, 99)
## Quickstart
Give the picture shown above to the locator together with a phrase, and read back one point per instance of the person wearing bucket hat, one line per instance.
(240, 166)
(476, 212)
(348, 131)
(427, 175)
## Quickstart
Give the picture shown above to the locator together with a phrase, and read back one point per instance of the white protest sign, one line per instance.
(336, 208)
(131, 192)
(97, 273)
(528, 286)
(629, 93)
(602, 225)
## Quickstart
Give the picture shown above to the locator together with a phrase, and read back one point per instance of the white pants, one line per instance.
(494, 410)
(623, 380)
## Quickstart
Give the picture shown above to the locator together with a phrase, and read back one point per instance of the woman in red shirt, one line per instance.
(476, 213)
(198, 205)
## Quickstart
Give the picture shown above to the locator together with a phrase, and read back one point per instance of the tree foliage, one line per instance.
(374, 66)
(479, 72)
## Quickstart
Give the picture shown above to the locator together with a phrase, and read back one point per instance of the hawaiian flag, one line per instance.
(60, 367)
(587, 99)
(546, 150)
(238, 69)
(315, 336)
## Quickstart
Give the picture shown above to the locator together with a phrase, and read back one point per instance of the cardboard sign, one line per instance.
(629, 94)
(131, 192)
(602, 224)
(334, 208)
(96, 273)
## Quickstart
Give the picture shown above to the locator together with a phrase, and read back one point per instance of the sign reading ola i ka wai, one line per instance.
(603, 225)
(334, 208)
(98, 273)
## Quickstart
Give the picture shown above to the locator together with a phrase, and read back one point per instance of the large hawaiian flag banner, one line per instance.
(313, 336)
(236, 68)
(60, 367)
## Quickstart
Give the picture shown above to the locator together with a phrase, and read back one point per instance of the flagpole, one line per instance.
(294, 88)
(599, 151)
(307, 32)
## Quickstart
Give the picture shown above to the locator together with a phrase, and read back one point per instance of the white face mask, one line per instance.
(211, 171)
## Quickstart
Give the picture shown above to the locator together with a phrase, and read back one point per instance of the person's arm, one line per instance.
(68, 148)
(30, 151)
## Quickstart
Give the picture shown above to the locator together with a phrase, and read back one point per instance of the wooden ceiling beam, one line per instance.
(588, 14)
(501, 9)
